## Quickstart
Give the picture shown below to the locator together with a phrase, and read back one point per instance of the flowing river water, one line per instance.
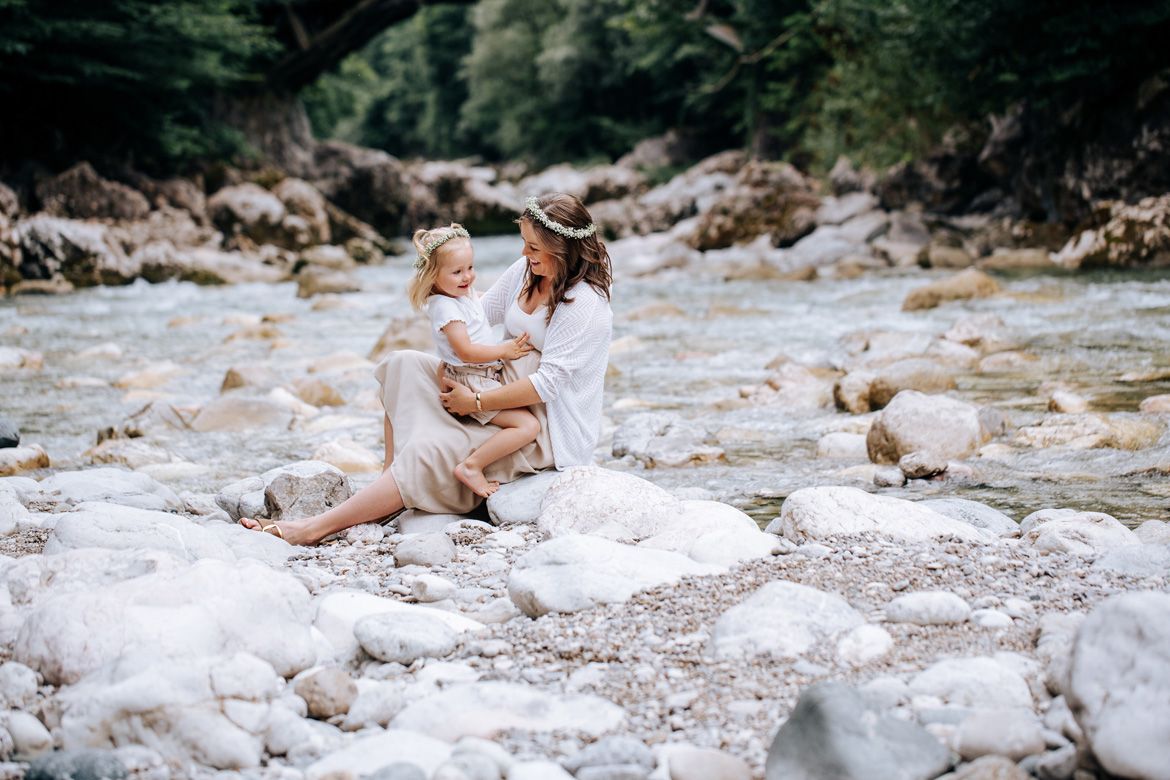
(1086, 330)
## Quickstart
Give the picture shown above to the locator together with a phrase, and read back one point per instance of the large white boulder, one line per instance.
(781, 620)
(116, 486)
(592, 500)
(115, 527)
(974, 513)
(207, 608)
(823, 512)
(519, 501)
(1074, 532)
(573, 573)
(1119, 684)
(916, 422)
(210, 710)
(484, 709)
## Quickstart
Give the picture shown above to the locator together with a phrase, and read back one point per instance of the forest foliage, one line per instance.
(577, 80)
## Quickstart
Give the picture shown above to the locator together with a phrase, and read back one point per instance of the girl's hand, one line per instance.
(516, 348)
(456, 398)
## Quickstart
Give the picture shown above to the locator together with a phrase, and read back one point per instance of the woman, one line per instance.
(558, 293)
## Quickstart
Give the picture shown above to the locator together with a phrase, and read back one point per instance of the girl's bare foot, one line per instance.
(474, 479)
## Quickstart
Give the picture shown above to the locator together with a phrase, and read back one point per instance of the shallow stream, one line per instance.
(1087, 331)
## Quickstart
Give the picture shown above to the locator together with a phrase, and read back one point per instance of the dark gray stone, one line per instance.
(76, 765)
(9, 434)
(834, 733)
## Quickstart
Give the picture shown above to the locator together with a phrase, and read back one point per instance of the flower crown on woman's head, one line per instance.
(557, 227)
(430, 248)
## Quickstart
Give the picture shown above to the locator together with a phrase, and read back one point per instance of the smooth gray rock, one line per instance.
(77, 765)
(833, 733)
(9, 433)
(974, 513)
(433, 549)
(519, 501)
(399, 770)
(1147, 560)
(399, 637)
(610, 751)
(113, 486)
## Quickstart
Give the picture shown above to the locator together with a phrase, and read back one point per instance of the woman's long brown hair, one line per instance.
(580, 259)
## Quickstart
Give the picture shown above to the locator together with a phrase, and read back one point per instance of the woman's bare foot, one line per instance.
(288, 531)
(474, 479)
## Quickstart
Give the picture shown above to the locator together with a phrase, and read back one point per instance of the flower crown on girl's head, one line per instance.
(430, 248)
(557, 227)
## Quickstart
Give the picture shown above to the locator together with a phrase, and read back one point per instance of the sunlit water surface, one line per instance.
(1086, 330)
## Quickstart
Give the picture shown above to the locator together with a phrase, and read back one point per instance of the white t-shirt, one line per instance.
(517, 321)
(466, 309)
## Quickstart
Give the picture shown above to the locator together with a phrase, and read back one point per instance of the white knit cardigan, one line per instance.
(571, 376)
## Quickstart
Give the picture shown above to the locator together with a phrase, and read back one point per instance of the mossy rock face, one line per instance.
(767, 198)
(1136, 236)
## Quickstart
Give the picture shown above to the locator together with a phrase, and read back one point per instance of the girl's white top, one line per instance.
(517, 321)
(573, 360)
(467, 309)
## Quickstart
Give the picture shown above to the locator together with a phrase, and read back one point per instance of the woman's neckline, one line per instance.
(520, 305)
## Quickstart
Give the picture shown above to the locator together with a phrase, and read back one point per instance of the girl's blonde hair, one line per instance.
(430, 246)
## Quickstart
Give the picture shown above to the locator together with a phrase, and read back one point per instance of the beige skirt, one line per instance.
(429, 441)
(480, 379)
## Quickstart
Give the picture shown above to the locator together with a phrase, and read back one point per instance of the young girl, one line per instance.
(444, 286)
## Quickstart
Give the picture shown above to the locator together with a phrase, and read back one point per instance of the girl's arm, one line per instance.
(495, 301)
(470, 352)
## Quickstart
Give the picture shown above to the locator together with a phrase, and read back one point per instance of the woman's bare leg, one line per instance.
(518, 428)
(375, 501)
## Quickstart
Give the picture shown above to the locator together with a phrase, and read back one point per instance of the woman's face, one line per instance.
(540, 260)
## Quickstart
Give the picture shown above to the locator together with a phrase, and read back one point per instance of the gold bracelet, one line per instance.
(478, 404)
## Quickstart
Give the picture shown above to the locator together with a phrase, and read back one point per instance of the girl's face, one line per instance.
(540, 260)
(456, 270)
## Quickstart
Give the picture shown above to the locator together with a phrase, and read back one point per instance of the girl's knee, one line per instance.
(530, 425)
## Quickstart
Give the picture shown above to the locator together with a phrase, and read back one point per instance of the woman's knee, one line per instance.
(530, 425)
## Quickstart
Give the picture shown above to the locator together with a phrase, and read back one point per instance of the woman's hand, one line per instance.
(456, 398)
(516, 348)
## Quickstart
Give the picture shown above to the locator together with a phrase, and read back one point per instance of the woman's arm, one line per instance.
(495, 301)
(459, 399)
(577, 332)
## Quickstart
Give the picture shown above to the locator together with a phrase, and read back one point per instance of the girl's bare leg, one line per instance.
(375, 501)
(520, 427)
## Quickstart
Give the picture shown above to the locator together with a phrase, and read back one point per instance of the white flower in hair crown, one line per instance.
(557, 227)
(429, 249)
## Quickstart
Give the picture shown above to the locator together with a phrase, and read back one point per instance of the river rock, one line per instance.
(252, 212)
(1119, 684)
(80, 193)
(832, 732)
(920, 374)
(115, 527)
(1014, 733)
(77, 765)
(1077, 533)
(317, 392)
(839, 444)
(1089, 431)
(914, 422)
(1067, 402)
(364, 756)
(302, 199)
(975, 514)
(131, 453)
(922, 465)
(962, 286)
(864, 644)
(978, 682)
(484, 709)
(113, 486)
(20, 460)
(402, 638)
(781, 620)
(519, 501)
(288, 492)
(928, 608)
(1027, 259)
(616, 751)
(851, 392)
(30, 738)
(433, 549)
(348, 456)
(712, 532)
(18, 686)
(765, 198)
(1136, 234)
(84, 253)
(181, 710)
(184, 613)
(836, 209)
(240, 413)
(824, 512)
(327, 692)
(1153, 532)
(320, 281)
(592, 500)
(338, 612)
(576, 572)
(9, 433)
(1155, 404)
(663, 439)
